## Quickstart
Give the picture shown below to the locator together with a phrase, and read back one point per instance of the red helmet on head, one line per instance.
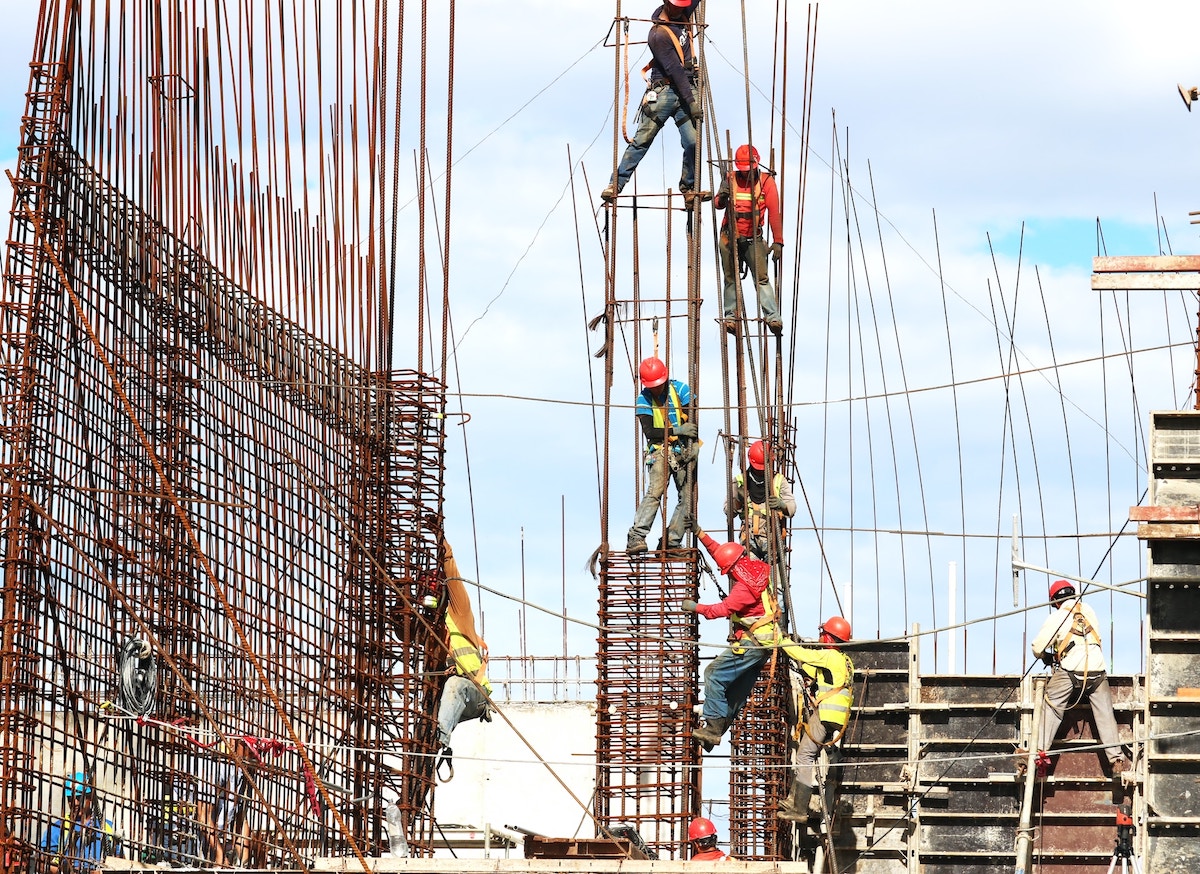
(745, 158)
(726, 555)
(682, 4)
(757, 455)
(653, 372)
(837, 628)
(701, 828)
(1061, 589)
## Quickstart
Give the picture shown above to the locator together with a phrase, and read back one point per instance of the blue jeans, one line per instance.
(461, 700)
(681, 468)
(753, 252)
(729, 680)
(653, 118)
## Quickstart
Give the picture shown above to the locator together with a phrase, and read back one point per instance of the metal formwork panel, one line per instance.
(648, 766)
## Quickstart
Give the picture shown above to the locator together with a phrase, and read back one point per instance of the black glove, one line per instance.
(693, 109)
(777, 251)
(690, 430)
(688, 606)
(1048, 659)
(775, 502)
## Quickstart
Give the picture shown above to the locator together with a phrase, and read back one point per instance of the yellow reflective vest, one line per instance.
(468, 661)
(834, 675)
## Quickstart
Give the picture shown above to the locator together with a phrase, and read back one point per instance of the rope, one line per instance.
(138, 676)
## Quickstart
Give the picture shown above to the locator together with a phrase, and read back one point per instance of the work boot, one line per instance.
(1120, 766)
(609, 194)
(729, 324)
(776, 326)
(795, 806)
(635, 545)
(690, 196)
(710, 733)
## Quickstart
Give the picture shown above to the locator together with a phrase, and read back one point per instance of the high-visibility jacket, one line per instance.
(467, 648)
(833, 673)
(671, 409)
(752, 199)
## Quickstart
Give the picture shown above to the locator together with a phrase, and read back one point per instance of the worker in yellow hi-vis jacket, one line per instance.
(465, 695)
(828, 676)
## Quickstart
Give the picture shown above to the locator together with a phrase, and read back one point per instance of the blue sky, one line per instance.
(1051, 115)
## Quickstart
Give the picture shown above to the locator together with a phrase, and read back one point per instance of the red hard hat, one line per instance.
(700, 828)
(653, 372)
(757, 455)
(1059, 586)
(727, 554)
(682, 4)
(836, 627)
(746, 158)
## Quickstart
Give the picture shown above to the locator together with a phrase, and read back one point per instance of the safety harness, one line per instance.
(666, 25)
(758, 513)
(832, 702)
(1080, 627)
(755, 625)
(662, 415)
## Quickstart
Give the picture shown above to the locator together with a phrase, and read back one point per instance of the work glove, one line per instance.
(690, 430)
(775, 502)
(777, 252)
(1048, 659)
(693, 110)
(688, 606)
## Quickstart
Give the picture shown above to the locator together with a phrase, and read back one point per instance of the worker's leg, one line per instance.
(1060, 691)
(647, 130)
(687, 139)
(684, 474)
(757, 256)
(656, 484)
(461, 699)
(729, 678)
(811, 739)
(1100, 699)
(729, 270)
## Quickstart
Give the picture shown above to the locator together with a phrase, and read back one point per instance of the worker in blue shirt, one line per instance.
(82, 840)
(671, 449)
(670, 95)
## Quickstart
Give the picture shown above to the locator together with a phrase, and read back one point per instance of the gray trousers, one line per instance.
(1066, 688)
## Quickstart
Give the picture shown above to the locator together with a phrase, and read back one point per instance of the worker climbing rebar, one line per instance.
(756, 503)
(671, 448)
(672, 93)
(749, 193)
(827, 694)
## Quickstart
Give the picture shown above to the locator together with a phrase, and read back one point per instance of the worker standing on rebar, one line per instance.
(702, 835)
(84, 839)
(826, 693)
(752, 500)
(751, 605)
(467, 692)
(754, 197)
(671, 447)
(671, 94)
(1069, 642)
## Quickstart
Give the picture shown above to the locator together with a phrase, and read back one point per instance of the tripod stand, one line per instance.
(1124, 848)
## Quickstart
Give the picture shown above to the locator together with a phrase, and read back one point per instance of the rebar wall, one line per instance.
(221, 502)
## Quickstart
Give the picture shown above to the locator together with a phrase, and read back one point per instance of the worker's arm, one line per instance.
(774, 217)
(666, 58)
(740, 599)
(1046, 636)
(789, 500)
(721, 200)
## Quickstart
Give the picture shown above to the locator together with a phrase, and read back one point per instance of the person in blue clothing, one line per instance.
(671, 447)
(85, 838)
(671, 95)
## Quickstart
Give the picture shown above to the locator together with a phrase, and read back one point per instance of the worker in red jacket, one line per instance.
(703, 836)
(751, 605)
(749, 196)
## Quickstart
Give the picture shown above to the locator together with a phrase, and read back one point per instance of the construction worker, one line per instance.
(753, 196)
(467, 692)
(670, 95)
(703, 836)
(1069, 642)
(82, 840)
(671, 447)
(827, 677)
(754, 502)
(730, 677)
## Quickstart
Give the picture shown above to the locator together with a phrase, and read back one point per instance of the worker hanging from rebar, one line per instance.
(673, 92)
(825, 696)
(750, 194)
